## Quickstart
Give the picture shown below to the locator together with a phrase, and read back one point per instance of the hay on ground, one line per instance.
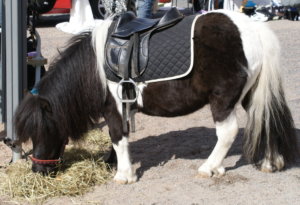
(83, 168)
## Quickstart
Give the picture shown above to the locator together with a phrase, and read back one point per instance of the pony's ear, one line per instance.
(45, 105)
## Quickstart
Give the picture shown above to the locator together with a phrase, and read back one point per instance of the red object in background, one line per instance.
(164, 1)
(61, 6)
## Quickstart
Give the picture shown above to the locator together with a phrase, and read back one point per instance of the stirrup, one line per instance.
(130, 81)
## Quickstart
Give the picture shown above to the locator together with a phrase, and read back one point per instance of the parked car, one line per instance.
(99, 7)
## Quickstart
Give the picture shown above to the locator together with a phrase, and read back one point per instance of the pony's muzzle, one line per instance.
(45, 170)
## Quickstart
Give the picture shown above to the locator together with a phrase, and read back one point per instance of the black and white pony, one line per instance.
(236, 62)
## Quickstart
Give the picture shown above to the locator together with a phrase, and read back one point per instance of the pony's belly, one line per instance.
(171, 99)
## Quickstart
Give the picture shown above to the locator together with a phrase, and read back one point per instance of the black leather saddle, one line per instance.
(127, 44)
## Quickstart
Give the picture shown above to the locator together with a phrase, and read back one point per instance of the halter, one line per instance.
(50, 161)
(45, 161)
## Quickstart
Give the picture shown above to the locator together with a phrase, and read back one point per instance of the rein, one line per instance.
(50, 161)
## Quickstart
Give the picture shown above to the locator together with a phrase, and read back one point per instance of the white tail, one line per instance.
(269, 134)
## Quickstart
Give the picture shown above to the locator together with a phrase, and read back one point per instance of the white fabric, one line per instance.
(81, 18)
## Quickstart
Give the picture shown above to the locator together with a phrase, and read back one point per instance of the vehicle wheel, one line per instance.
(98, 8)
(101, 8)
(98, 14)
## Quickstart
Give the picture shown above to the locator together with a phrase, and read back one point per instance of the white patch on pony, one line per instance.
(262, 50)
(99, 36)
(125, 173)
(226, 132)
(113, 88)
(252, 45)
(141, 87)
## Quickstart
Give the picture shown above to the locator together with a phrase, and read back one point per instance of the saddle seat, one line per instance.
(127, 45)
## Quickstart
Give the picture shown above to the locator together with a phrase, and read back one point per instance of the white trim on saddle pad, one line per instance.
(192, 58)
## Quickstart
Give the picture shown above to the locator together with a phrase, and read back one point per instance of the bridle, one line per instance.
(45, 161)
(51, 161)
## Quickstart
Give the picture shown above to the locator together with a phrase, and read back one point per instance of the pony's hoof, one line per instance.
(268, 166)
(219, 172)
(122, 179)
(279, 162)
(205, 172)
(266, 170)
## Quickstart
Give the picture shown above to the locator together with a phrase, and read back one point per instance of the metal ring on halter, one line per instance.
(135, 88)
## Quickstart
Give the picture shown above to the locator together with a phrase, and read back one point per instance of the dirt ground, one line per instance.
(166, 152)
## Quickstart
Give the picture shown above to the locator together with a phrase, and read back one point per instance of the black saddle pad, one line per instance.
(169, 54)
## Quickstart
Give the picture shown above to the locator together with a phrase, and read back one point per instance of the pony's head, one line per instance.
(71, 96)
(34, 119)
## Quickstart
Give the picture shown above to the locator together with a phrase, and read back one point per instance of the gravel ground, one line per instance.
(166, 152)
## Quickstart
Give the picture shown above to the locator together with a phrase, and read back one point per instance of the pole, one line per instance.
(15, 62)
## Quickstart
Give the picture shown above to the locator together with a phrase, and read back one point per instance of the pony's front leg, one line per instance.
(125, 173)
(226, 132)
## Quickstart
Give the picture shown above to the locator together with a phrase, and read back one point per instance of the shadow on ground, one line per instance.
(193, 143)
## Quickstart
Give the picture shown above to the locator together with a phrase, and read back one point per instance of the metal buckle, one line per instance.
(120, 85)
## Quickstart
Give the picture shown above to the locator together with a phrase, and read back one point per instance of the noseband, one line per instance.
(50, 161)
(45, 161)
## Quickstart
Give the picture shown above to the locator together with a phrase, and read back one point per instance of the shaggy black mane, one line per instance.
(72, 81)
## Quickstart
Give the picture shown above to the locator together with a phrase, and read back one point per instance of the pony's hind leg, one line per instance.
(226, 133)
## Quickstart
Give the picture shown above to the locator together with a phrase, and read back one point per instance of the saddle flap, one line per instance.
(134, 25)
(116, 52)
